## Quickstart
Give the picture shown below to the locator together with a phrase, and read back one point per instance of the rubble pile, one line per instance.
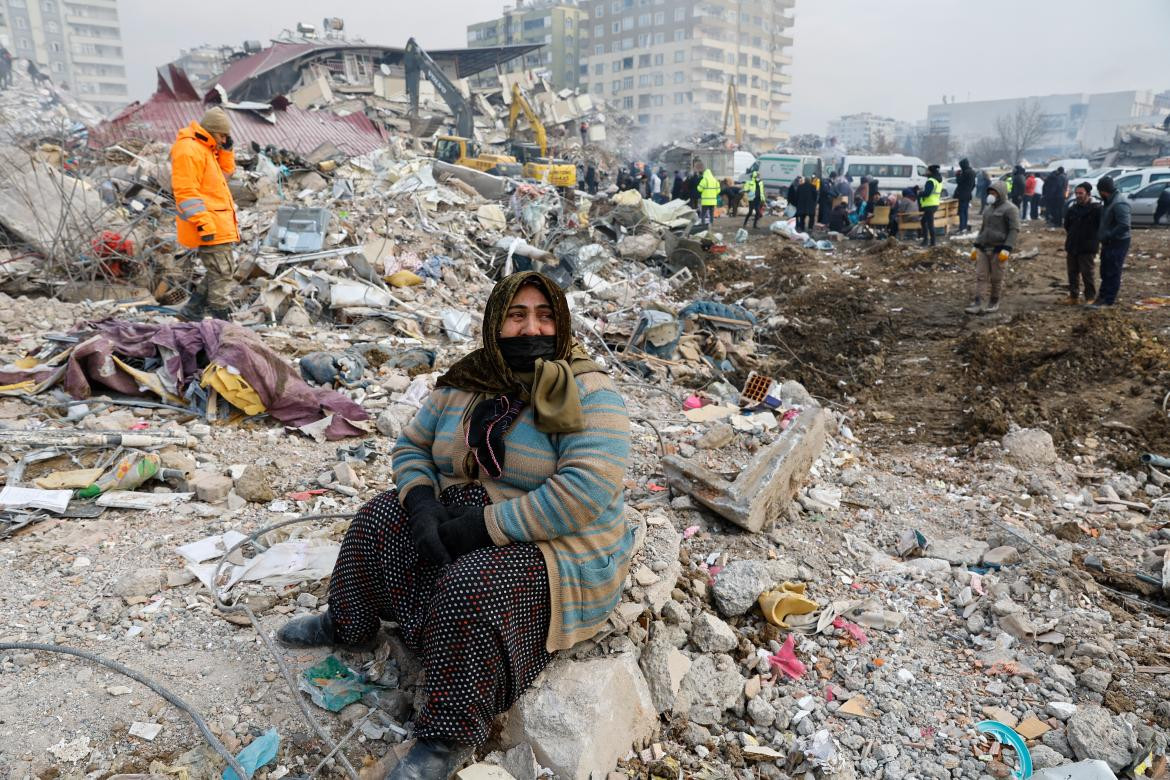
(817, 591)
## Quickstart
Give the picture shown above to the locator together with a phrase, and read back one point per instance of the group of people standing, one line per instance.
(1029, 192)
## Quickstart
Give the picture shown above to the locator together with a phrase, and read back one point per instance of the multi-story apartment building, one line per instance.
(554, 24)
(669, 64)
(76, 43)
(863, 132)
(204, 63)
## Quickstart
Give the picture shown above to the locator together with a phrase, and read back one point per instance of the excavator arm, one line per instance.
(417, 62)
(519, 103)
(732, 110)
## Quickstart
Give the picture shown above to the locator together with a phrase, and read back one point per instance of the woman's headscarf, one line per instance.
(550, 387)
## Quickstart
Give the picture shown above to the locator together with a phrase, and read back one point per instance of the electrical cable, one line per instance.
(196, 718)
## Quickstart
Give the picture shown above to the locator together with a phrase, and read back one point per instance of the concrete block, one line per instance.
(582, 716)
(766, 486)
(212, 488)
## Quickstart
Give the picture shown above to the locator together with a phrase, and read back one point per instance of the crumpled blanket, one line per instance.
(185, 350)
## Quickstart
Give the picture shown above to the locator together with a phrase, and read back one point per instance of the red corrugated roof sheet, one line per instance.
(160, 119)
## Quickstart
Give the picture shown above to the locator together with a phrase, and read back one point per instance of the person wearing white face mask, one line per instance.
(993, 247)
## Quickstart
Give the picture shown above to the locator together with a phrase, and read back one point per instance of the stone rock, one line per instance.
(1044, 757)
(1063, 675)
(583, 715)
(794, 393)
(660, 554)
(1061, 710)
(1001, 556)
(718, 435)
(255, 485)
(140, 583)
(296, 317)
(1018, 625)
(1028, 447)
(345, 474)
(709, 689)
(1093, 733)
(761, 712)
(211, 488)
(387, 424)
(957, 550)
(484, 772)
(740, 583)
(312, 181)
(1096, 679)
(521, 763)
(664, 666)
(712, 635)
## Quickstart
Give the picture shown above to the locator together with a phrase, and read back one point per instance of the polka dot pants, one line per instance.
(478, 624)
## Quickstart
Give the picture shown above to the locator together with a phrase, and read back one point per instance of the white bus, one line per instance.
(894, 172)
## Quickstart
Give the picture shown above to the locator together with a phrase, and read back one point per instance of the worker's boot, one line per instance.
(992, 306)
(431, 759)
(193, 310)
(975, 308)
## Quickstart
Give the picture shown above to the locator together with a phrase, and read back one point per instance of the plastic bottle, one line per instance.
(130, 472)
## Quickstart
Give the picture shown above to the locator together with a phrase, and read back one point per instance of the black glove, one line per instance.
(465, 531)
(227, 144)
(425, 515)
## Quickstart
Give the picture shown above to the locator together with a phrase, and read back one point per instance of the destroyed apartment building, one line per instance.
(863, 544)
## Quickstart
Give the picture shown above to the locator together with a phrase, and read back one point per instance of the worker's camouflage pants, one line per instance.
(220, 264)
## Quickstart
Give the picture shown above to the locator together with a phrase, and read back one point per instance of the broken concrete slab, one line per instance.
(581, 716)
(665, 667)
(958, 550)
(487, 185)
(766, 486)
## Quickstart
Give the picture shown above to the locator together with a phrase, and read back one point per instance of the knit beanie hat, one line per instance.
(216, 121)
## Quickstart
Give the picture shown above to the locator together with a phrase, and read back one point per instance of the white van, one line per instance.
(779, 170)
(1135, 180)
(894, 172)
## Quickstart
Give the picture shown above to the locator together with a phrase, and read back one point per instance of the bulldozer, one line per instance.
(534, 155)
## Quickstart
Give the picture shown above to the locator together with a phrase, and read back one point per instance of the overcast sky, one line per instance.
(891, 57)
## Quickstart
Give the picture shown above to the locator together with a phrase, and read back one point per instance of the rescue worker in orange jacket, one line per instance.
(201, 162)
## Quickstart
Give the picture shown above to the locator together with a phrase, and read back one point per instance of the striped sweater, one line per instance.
(563, 492)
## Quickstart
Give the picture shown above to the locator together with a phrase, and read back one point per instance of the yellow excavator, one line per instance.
(731, 110)
(534, 156)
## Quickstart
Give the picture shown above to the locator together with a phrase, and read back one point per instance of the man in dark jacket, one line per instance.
(806, 205)
(993, 248)
(591, 179)
(825, 197)
(964, 188)
(1163, 207)
(1080, 244)
(792, 188)
(1055, 197)
(1114, 236)
(1019, 184)
(982, 183)
(678, 187)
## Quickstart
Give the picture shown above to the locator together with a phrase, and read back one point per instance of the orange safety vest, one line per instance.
(199, 171)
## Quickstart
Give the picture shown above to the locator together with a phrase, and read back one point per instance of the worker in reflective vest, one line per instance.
(928, 201)
(755, 191)
(708, 196)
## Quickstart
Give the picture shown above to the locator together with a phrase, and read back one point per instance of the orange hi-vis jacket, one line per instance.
(199, 171)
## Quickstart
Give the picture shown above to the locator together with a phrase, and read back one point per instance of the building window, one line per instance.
(21, 23)
(756, 62)
(644, 61)
(659, 59)
(628, 82)
(598, 30)
(627, 23)
(617, 66)
(643, 119)
(616, 7)
(599, 11)
(658, 79)
(680, 98)
(628, 102)
(644, 20)
(680, 55)
(598, 69)
(627, 63)
(643, 40)
(679, 77)
(659, 38)
(627, 44)
(680, 14)
(643, 101)
(599, 50)
(658, 101)
(680, 35)
(644, 80)
(615, 86)
(616, 28)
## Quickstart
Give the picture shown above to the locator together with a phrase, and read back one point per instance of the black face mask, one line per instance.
(521, 352)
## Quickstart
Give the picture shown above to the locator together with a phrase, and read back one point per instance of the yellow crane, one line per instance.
(534, 156)
(732, 110)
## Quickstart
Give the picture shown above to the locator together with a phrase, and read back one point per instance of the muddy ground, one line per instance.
(880, 326)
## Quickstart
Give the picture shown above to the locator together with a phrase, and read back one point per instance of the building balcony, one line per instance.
(97, 59)
(92, 21)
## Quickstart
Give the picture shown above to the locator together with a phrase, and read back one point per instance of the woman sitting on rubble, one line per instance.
(505, 540)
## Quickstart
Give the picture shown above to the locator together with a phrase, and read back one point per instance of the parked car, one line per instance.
(1144, 203)
(1136, 180)
(949, 186)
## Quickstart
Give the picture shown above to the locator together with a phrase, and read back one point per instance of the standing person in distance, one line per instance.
(806, 205)
(982, 183)
(993, 247)
(964, 187)
(201, 162)
(1081, 224)
(709, 189)
(1114, 234)
(928, 201)
(755, 193)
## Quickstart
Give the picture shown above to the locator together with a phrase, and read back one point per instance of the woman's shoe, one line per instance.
(308, 631)
(431, 759)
